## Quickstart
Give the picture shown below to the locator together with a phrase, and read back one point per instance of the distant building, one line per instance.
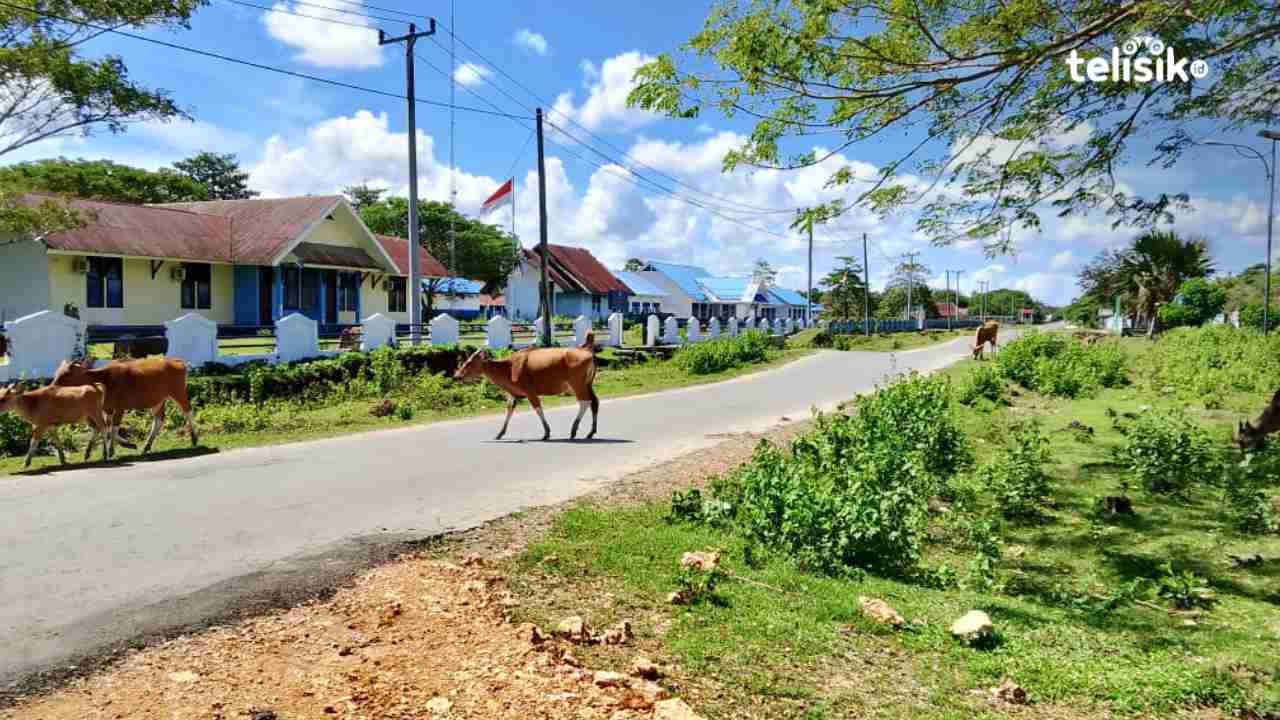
(692, 291)
(646, 297)
(580, 285)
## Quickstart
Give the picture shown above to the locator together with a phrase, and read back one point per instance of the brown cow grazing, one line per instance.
(985, 334)
(51, 406)
(535, 372)
(1253, 437)
(135, 385)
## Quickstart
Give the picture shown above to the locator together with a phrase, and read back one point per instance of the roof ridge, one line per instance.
(117, 203)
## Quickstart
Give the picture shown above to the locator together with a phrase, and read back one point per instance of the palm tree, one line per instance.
(1148, 272)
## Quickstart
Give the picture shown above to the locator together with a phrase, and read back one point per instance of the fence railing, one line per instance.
(38, 343)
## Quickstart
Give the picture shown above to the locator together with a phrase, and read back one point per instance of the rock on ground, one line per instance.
(674, 709)
(972, 626)
(880, 611)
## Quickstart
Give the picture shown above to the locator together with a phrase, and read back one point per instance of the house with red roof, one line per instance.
(237, 262)
(580, 285)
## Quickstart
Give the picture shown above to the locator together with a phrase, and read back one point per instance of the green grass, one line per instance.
(758, 647)
(296, 422)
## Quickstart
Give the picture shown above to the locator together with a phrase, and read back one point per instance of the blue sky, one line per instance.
(300, 137)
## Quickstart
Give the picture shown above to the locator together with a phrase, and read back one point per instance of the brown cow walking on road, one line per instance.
(985, 334)
(535, 372)
(51, 406)
(134, 385)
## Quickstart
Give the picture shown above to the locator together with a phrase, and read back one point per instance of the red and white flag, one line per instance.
(502, 196)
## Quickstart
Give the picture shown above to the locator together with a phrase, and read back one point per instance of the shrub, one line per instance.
(1167, 453)
(853, 492)
(15, 435)
(1053, 364)
(723, 353)
(1251, 316)
(984, 382)
(1197, 302)
(1185, 590)
(1016, 476)
(1211, 361)
(1244, 493)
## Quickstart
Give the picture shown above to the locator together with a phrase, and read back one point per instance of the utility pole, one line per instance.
(911, 268)
(957, 308)
(808, 296)
(947, 295)
(542, 238)
(453, 175)
(415, 307)
(866, 289)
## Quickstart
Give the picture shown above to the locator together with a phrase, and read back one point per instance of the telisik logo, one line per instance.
(1160, 64)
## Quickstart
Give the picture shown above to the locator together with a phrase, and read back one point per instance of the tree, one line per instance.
(103, 180)
(220, 174)
(1083, 312)
(989, 89)
(362, 196)
(764, 271)
(1148, 273)
(892, 304)
(634, 265)
(48, 90)
(484, 252)
(845, 291)
(1197, 302)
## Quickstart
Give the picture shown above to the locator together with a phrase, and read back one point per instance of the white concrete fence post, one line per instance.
(444, 330)
(671, 331)
(498, 332)
(779, 328)
(377, 331)
(748, 325)
(193, 338)
(297, 337)
(733, 326)
(581, 327)
(615, 330)
(39, 342)
(537, 331)
(694, 330)
(713, 328)
(651, 331)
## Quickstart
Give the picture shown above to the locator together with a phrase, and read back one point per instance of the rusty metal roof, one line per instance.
(586, 269)
(555, 273)
(398, 249)
(264, 227)
(143, 231)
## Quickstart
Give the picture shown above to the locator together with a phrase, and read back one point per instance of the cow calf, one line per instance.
(51, 406)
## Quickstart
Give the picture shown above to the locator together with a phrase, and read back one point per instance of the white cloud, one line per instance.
(1062, 260)
(470, 74)
(531, 41)
(193, 136)
(321, 43)
(607, 88)
(358, 148)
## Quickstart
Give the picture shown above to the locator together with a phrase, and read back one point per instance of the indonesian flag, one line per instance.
(502, 196)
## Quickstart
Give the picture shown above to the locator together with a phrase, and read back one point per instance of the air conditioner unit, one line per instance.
(178, 273)
(80, 265)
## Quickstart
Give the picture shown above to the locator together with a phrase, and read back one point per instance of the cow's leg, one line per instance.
(536, 402)
(185, 405)
(582, 410)
(117, 418)
(157, 420)
(511, 408)
(36, 434)
(595, 411)
(93, 440)
(57, 446)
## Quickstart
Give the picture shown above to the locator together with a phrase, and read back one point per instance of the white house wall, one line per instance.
(676, 301)
(24, 279)
(522, 294)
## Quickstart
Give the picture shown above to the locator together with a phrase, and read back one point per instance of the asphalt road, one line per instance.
(92, 559)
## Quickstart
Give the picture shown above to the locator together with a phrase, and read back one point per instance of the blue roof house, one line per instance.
(646, 296)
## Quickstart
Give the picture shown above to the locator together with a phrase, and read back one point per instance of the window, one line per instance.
(396, 295)
(311, 290)
(196, 287)
(635, 308)
(292, 288)
(348, 291)
(104, 283)
(595, 304)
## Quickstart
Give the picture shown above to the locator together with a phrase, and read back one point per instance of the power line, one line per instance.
(249, 63)
(608, 168)
(319, 18)
(516, 160)
(606, 143)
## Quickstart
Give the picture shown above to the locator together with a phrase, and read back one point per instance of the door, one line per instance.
(311, 293)
(266, 295)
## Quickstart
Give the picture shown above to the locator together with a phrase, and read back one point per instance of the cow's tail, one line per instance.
(589, 342)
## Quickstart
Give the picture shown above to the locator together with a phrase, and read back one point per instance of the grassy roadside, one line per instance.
(296, 422)
(883, 342)
(785, 642)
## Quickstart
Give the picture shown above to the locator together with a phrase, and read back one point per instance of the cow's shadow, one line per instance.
(118, 461)
(579, 441)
